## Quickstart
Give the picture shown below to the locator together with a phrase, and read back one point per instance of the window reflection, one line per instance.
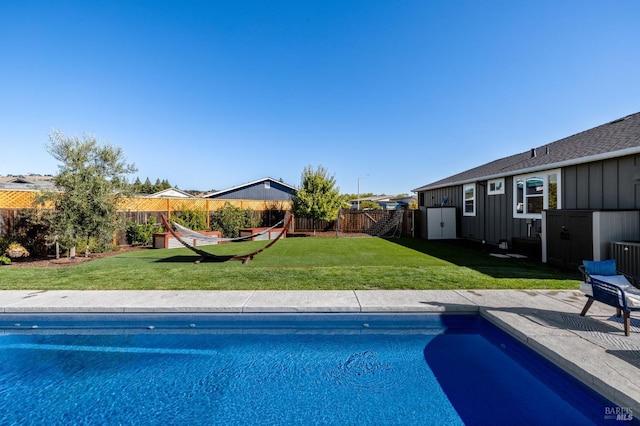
(534, 193)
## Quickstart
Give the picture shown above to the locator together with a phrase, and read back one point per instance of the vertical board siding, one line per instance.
(595, 186)
(569, 185)
(583, 182)
(602, 185)
(497, 218)
(626, 193)
(610, 184)
(614, 226)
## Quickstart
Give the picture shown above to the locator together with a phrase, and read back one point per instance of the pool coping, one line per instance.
(593, 348)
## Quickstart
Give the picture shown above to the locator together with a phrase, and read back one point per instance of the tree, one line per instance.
(91, 180)
(369, 205)
(137, 186)
(318, 198)
(147, 187)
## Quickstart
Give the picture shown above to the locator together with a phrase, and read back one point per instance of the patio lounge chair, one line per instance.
(602, 282)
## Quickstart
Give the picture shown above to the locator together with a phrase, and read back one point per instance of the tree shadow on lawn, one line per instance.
(478, 257)
(194, 259)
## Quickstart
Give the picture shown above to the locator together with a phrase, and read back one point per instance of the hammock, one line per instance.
(189, 233)
(204, 255)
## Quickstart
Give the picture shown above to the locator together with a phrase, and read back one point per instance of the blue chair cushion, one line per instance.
(600, 267)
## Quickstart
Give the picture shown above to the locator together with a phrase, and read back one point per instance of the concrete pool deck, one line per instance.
(593, 348)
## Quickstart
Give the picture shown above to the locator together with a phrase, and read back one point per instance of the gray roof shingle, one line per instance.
(614, 139)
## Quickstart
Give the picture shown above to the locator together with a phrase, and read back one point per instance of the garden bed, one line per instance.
(52, 262)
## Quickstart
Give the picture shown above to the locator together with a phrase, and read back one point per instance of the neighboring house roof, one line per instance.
(614, 139)
(27, 183)
(406, 200)
(170, 193)
(384, 201)
(236, 189)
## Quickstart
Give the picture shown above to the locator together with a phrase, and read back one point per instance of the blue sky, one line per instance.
(390, 94)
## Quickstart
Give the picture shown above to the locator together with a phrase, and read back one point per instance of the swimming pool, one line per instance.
(279, 369)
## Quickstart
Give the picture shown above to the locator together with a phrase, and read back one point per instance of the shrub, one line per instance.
(4, 243)
(4, 260)
(142, 235)
(229, 219)
(34, 231)
(190, 218)
(15, 250)
(99, 244)
(370, 205)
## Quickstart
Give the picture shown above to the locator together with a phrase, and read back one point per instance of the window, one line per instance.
(267, 184)
(496, 187)
(536, 192)
(469, 200)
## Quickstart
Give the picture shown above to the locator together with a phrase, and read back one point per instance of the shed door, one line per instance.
(441, 223)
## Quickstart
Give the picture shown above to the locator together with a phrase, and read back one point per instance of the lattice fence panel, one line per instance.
(24, 200)
(177, 204)
(143, 204)
(16, 199)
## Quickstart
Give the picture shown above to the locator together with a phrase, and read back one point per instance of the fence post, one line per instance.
(208, 214)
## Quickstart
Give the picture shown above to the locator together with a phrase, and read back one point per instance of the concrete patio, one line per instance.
(594, 348)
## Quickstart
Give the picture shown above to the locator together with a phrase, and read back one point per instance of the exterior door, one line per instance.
(569, 237)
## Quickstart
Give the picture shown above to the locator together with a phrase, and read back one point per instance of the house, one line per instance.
(261, 194)
(170, 193)
(385, 202)
(356, 202)
(562, 201)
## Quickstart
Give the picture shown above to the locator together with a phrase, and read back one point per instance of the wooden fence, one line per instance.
(13, 205)
(354, 221)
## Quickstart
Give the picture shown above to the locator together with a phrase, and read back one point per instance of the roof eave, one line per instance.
(244, 185)
(548, 166)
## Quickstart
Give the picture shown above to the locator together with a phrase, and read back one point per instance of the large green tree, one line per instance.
(91, 180)
(318, 198)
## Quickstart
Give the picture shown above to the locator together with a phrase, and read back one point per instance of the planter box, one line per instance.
(271, 235)
(168, 241)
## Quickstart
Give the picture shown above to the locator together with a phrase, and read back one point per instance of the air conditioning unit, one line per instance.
(627, 256)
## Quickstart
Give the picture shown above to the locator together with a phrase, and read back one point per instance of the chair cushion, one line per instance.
(600, 267)
(633, 298)
(632, 293)
(619, 280)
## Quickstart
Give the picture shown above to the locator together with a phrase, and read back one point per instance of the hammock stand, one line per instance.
(245, 258)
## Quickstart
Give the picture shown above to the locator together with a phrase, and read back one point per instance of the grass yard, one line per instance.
(299, 264)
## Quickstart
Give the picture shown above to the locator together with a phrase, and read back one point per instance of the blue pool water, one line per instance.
(279, 369)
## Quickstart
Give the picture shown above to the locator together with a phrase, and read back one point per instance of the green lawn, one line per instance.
(299, 264)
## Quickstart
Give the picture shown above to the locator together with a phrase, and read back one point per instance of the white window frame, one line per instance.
(497, 183)
(267, 184)
(473, 199)
(544, 176)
